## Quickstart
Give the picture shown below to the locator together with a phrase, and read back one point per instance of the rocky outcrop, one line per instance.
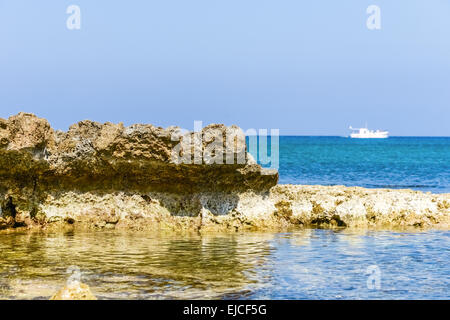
(37, 162)
(139, 157)
(142, 177)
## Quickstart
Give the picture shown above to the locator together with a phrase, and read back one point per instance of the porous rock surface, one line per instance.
(74, 291)
(116, 177)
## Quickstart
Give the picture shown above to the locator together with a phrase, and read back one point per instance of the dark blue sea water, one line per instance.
(397, 162)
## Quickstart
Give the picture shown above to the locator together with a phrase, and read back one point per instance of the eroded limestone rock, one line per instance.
(108, 176)
(37, 162)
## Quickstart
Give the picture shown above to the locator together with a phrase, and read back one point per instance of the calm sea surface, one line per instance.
(304, 264)
(396, 162)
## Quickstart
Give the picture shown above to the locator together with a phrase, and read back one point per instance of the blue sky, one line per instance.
(305, 67)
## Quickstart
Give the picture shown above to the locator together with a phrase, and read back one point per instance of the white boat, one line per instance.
(365, 133)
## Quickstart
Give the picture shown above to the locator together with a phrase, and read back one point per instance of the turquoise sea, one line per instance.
(397, 162)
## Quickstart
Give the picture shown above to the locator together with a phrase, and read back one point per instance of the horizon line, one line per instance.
(340, 136)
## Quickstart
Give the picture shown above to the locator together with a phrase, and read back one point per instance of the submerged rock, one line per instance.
(141, 177)
(75, 291)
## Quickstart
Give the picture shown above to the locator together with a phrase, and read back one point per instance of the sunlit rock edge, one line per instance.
(75, 291)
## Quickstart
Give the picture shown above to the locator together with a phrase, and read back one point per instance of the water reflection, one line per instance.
(305, 264)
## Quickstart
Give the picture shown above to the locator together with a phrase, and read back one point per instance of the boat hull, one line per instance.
(369, 136)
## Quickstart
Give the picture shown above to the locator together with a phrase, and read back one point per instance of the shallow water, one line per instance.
(305, 264)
